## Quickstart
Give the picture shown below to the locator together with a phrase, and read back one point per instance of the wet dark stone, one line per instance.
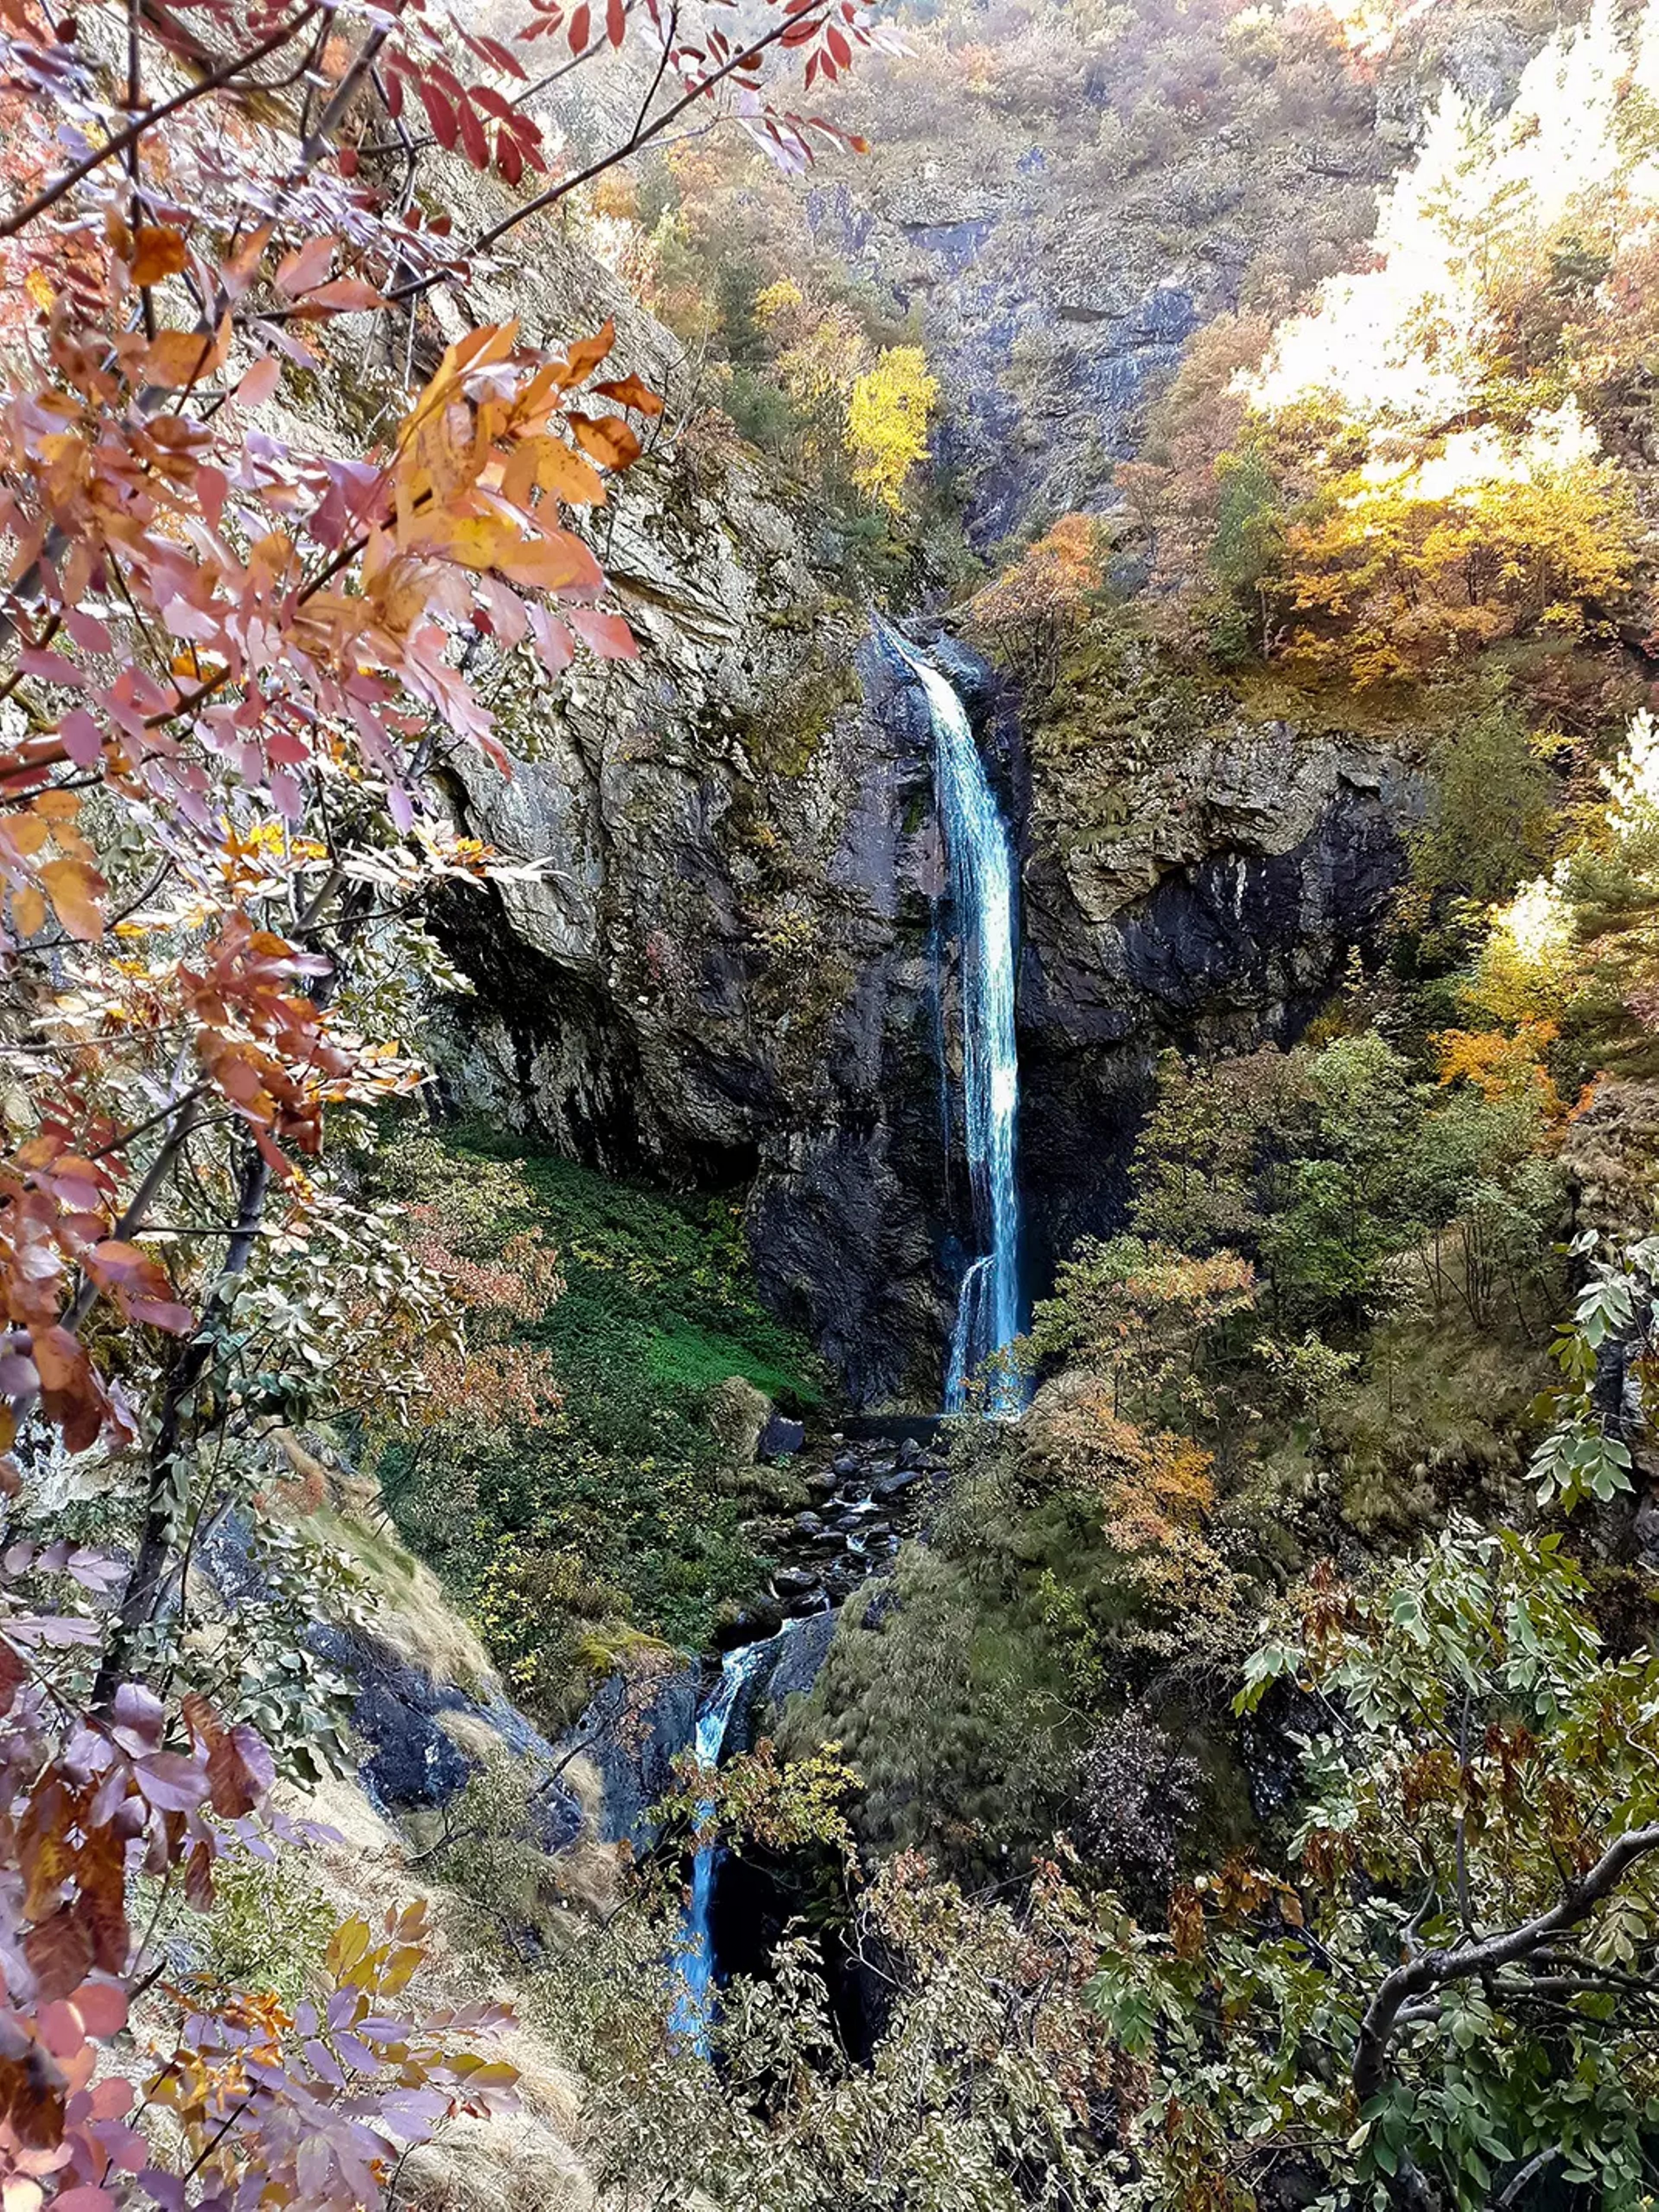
(895, 1486)
(637, 1768)
(782, 1437)
(800, 1656)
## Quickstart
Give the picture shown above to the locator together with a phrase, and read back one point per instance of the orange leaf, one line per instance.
(76, 890)
(557, 562)
(24, 833)
(28, 909)
(607, 438)
(628, 391)
(175, 359)
(159, 253)
(585, 355)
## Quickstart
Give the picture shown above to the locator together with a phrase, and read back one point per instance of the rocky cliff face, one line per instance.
(721, 968)
(1221, 912)
(726, 964)
(1062, 198)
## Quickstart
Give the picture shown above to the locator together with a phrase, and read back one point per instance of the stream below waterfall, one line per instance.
(693, 1959)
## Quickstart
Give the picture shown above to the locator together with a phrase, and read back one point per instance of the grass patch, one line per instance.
(615, 1513)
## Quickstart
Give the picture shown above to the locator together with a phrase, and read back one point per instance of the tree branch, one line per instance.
(1434, 1970)
(642, 135)
(215, 81)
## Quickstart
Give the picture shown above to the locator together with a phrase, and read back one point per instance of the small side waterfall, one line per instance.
(694, 1956)
(982, 862)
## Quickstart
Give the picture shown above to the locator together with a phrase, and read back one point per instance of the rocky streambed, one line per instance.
(865, 1496)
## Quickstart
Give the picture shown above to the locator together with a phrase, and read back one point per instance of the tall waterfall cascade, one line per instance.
(980, 854)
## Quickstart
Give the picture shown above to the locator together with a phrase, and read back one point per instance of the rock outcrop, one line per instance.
(1220, 912)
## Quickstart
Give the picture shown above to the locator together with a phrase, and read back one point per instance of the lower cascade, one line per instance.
(980, 854)
(694, 1958)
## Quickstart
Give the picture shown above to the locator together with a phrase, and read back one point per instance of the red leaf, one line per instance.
(13, 1674)
(552, 639)
(60, 1952)
(473, 141)
(171, 1782)
(616, 20)
(239, 1771)
(439, 114)
(503, 59)
(84, 741)
(608, 635)
(86, 630)
(345, 294)
(297, 272)
(103, 2009)
(580, 24)
(508, 159)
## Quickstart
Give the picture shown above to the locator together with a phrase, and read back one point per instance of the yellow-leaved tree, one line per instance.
(887, 418)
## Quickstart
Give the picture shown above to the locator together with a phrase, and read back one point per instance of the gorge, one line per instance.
(829, 1106)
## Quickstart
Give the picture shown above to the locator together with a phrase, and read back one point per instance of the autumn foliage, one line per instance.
(235, 645)
(1432, 459)
(1038, 604)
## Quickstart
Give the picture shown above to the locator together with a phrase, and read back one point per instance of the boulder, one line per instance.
(738, 1415)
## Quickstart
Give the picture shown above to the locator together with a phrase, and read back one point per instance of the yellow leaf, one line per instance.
(567, 474)
(346, 1946)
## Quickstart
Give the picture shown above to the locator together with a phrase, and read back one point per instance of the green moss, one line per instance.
(782, 737)
(612, 1513)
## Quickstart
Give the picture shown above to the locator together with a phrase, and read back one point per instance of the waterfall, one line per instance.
(982, 862)
(693, 1955)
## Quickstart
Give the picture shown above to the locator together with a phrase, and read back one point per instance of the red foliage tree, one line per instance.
(231, 654)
